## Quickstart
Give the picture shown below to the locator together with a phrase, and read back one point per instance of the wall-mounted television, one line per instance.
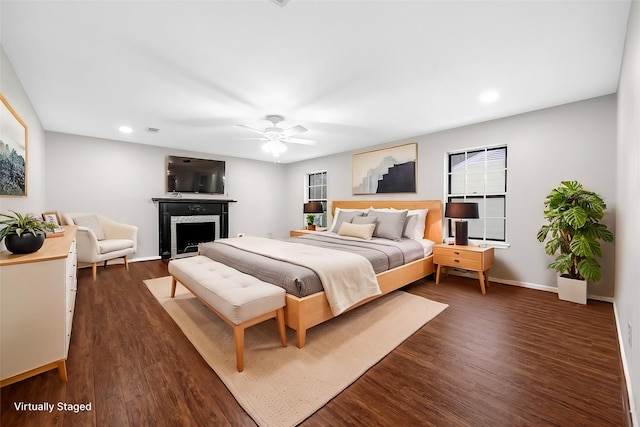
(189, 175)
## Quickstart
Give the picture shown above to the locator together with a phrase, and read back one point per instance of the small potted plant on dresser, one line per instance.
(573, 234)
(22, 234)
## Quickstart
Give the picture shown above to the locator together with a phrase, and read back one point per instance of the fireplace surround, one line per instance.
(198, 220)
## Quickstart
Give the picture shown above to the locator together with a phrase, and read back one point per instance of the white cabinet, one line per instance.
(37, 300)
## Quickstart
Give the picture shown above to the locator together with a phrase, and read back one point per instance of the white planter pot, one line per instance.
(572, 290)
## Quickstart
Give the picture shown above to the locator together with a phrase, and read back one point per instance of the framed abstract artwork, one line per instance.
(386, 170)
(13, 152)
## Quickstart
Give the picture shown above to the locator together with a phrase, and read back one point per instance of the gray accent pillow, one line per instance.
(344, 216)
(365, 219)
(410, 226)
(390, 223)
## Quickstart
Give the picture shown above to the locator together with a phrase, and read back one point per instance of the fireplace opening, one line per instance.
(189, 235)
(187, 231)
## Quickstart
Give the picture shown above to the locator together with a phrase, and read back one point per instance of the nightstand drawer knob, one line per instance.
(457, 253)
(456, 260)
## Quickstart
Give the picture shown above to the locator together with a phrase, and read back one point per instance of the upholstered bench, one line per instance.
(237, 298)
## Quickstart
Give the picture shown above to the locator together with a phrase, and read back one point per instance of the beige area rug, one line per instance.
(282, 386)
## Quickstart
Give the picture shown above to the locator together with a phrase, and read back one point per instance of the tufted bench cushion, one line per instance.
(238, 298)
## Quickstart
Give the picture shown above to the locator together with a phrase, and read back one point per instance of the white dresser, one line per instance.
(37, 299)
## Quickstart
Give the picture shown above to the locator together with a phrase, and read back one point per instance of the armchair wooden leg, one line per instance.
(94, 270)
(173, 286)
(126, 262)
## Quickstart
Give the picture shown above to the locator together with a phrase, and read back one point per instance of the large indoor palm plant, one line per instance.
(573, 232)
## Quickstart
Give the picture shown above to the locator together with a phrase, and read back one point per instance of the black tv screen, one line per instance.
(189, 175)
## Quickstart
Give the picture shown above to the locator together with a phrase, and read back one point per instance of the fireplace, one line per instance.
(184, 223)
(187, 231)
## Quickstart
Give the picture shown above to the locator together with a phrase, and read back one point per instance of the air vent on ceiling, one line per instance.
(282, 3)
(153, 130)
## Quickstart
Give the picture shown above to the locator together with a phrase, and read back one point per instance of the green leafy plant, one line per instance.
(574, 231)
(18, 224)
(310, 219)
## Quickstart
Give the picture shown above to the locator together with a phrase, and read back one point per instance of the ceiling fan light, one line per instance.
(274, 147)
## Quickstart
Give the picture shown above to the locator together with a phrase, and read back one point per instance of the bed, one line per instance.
(307, 305)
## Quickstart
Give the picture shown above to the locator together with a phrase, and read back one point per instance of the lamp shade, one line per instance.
(461, 210)
(313, 208)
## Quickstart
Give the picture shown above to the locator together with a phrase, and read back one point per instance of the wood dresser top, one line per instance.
(53, 248)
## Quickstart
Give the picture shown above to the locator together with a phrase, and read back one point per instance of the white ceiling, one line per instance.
(355, 73)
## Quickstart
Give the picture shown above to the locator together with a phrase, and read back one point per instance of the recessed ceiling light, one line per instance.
(125, 129)
(489, 96)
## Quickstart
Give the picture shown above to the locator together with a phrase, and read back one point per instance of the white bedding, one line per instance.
(427, 245)
(347, 278)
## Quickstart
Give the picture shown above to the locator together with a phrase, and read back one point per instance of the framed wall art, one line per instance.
(13, 152)
(386, 170)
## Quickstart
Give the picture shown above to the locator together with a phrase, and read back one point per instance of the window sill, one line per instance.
(484, 243)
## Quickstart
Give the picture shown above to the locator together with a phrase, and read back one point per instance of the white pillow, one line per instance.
(92, 223)
(361, 231)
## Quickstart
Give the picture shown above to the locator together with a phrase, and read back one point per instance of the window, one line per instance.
(316, 191)
(480, 175)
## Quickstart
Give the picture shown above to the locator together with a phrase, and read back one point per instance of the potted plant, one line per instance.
(573, 235)
(310, 220)
(22, 234)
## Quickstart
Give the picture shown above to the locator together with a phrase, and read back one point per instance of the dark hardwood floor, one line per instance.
(514, 357)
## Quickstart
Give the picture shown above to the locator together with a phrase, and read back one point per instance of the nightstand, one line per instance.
(297, 233)
(473, 258)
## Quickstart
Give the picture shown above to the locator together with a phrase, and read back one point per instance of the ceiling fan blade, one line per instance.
(255, 139)
(294, 130)
(252, 129)
(301, 141)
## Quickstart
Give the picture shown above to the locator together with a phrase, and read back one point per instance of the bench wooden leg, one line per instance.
(238, 336)
(281, 327)
(173, 286)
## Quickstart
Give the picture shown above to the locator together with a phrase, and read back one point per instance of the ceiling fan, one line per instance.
(275, 136)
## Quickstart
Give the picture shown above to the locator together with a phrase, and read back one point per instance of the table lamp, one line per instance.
(313, 208)
(461, 211)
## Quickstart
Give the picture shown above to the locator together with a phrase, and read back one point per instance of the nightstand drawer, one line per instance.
(458, 253)
(457, 261)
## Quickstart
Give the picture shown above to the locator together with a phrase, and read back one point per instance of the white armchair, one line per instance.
(101, 239)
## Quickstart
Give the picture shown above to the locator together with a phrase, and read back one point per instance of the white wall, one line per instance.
(14, 93)
(119, 179)
(573, 141)
(627, 292)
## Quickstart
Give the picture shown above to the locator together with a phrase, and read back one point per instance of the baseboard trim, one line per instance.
(629, 404)
(528, 285)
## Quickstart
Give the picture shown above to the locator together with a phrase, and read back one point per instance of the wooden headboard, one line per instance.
(433, 223)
